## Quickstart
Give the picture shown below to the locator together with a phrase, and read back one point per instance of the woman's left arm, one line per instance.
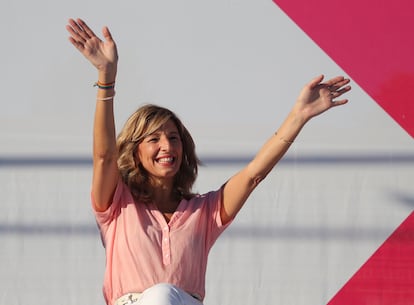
(315, 98)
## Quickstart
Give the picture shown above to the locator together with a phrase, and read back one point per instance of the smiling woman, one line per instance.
(161, 152)
(156, 232)
(156, 149)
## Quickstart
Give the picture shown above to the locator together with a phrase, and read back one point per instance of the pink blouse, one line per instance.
(142, 249)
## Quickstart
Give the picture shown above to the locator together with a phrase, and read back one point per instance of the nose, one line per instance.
(165, 143)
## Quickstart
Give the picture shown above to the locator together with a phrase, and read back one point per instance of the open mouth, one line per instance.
(165, 160)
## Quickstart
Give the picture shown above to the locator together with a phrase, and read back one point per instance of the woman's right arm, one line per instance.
(103, 55)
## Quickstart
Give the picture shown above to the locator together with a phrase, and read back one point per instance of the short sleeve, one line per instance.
(215, 202)
(121, 197)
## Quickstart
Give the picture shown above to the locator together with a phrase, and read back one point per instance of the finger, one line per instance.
(343, 90)
(77, 31)
(75, 34)
(335, 81)
(339, 86)
(81, 30)
(335, 94)
(316, 81)
(75, 26)
(107, 34)
(78, 45)
(86, 29)
(339, 103)
(342, 83)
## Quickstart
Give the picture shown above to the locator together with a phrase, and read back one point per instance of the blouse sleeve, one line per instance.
(214, 203)
(104, 218)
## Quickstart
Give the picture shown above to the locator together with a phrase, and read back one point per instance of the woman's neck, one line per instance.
(164, 198)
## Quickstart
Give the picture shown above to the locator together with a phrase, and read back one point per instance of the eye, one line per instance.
(153, 139)
(175, 138)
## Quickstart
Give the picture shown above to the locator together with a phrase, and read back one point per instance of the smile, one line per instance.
(166, 160)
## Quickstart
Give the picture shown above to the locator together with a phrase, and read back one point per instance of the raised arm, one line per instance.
(103, 55)
(315, 98)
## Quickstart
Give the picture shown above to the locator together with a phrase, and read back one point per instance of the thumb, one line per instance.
(314, 82)
(107, 34)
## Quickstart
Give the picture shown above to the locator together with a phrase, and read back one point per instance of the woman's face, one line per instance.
(161, 152)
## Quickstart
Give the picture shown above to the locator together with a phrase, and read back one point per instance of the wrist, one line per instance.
(298, 117)
(107, 77)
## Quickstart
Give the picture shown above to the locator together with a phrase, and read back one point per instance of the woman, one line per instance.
(157, 234)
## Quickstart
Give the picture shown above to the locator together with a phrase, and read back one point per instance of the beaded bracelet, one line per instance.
(104, 86)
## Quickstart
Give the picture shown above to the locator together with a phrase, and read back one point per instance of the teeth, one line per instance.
(166, 160)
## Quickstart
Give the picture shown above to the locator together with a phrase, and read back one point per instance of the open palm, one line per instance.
(317, 97)
(102, 54)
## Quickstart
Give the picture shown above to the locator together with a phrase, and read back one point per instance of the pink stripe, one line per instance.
(387, 278)
(371, 41)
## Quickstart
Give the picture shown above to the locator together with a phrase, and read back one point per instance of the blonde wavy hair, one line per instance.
(142, 123)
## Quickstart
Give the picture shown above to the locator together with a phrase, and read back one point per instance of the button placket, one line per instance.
(166, 248)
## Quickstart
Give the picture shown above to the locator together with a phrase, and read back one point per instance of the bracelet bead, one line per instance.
(104, 86)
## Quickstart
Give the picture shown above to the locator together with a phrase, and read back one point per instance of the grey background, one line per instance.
(231, 70)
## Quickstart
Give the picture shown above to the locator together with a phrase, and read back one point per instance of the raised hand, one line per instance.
(317, 97)
(102, 54)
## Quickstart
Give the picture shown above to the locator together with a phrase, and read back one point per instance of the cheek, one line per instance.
(142, 155)
(179, 150)
(145, 151)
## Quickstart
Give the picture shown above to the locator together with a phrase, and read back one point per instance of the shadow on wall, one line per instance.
(404, 198)
(382, 159)
(315, 233)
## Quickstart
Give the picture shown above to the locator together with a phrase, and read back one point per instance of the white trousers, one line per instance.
(160, 294)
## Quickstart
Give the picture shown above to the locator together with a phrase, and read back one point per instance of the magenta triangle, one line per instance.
(371, 41)
(387, 278)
